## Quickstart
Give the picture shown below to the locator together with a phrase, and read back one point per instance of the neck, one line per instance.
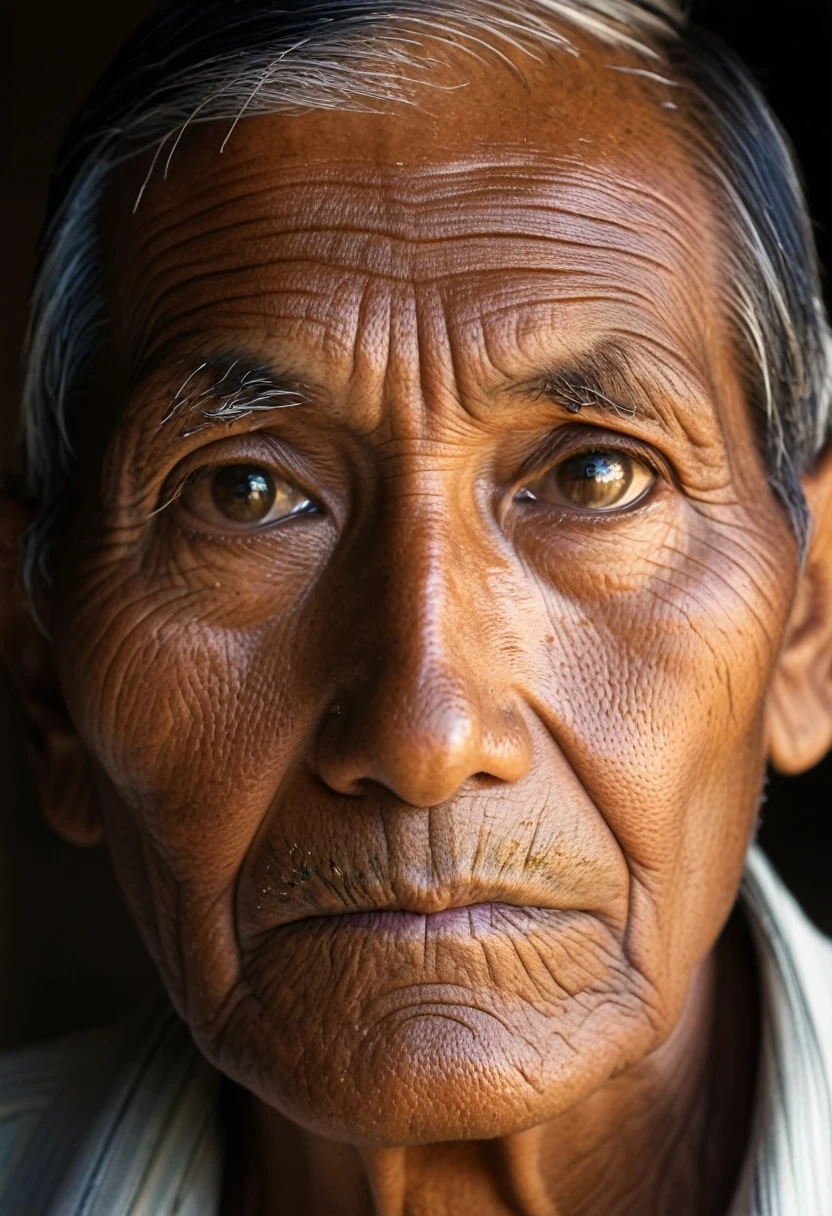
(667, 1136)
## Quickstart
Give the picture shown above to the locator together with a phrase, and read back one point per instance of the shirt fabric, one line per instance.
(126, 1122)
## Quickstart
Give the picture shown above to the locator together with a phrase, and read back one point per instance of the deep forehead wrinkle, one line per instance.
(427, 204)
(390, 224)
(335, 241)
(411, 180)
(565, 118)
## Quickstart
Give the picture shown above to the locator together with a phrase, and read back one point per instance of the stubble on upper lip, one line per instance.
(306, 890)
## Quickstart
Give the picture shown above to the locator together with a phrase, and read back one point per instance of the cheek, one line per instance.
(661, 646)
(176, 662)
(193, 725)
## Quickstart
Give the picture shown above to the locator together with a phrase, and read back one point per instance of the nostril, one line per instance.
(486, 779)
(421, 745)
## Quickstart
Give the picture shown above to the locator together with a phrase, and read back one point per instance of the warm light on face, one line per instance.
(435, 638)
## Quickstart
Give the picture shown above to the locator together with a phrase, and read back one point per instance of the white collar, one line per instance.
(788, 1169)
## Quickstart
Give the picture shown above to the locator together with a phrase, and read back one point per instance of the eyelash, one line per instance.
(591, 439)
(189, 470)
(170, 498)
(562, 445)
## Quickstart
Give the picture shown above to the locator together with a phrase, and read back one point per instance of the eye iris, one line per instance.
(595, 479)
(243, 493)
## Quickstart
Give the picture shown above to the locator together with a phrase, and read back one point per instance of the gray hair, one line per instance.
(198, 61)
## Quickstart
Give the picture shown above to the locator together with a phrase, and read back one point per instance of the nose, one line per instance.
(429, 703)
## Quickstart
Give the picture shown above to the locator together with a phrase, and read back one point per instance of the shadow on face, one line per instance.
(424, 596)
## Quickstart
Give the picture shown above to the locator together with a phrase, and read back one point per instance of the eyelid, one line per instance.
(208, 517)
(255, 448)
(572, 440)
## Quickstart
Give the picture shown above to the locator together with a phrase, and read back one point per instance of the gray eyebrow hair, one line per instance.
(223, 389)
(602, 379)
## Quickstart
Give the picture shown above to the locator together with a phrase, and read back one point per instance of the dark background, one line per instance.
(68, 954)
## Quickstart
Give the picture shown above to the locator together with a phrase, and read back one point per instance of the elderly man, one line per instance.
(427, 542)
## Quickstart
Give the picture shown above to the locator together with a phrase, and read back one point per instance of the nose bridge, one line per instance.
(429, 705)
(421, 673)
(425, 569)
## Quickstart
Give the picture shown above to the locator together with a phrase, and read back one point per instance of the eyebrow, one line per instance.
(225, 388)
(604, 379)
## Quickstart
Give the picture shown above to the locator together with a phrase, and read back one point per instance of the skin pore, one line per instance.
(424, 701)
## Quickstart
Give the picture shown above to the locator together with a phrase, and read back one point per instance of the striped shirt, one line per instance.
(126, 1122)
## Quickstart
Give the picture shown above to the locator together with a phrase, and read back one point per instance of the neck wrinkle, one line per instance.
(387, 1174)
(525, 1177)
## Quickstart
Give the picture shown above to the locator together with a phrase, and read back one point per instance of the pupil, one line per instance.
(595, 479)
(243, 493)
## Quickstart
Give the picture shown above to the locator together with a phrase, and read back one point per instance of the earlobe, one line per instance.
(61, 765)
(800, 699)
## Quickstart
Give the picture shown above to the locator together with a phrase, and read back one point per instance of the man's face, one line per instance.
(419, 616)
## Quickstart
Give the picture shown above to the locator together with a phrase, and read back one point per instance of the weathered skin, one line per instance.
(437, 693)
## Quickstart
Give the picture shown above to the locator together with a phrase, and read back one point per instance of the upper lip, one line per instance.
(313, 904)
(426, 903)
(418, 908)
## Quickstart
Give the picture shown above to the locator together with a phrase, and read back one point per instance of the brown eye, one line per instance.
(593, 481)
(242, 497)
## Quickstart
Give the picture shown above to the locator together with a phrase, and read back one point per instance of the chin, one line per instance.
(438, 1067)
(396, 1035)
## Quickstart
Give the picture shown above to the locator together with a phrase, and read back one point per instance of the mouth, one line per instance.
(462, 923)
(458, 909)
(465, 919)
(401, 900)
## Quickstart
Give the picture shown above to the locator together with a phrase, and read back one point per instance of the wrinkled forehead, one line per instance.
(555, 207)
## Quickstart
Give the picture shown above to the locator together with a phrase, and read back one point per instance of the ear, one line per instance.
(61, 765)
(800, 700)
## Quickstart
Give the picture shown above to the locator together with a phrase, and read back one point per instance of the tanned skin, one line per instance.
(431, 795)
